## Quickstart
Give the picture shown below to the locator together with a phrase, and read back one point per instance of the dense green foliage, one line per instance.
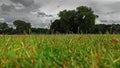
(3, 27)
(22, 26)
(102, 29)
(55, 51)
(39, 31)
(75, 21)
(81, 20)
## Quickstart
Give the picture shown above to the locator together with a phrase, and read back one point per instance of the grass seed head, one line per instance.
(114, 40)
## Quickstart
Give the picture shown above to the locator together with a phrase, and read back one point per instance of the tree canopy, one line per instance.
(75, 21)
(22, 26)
(3, 27)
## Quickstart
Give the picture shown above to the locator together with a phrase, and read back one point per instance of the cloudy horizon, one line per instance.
(39, 12)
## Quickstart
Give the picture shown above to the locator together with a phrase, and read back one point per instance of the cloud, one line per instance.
(26, 3)
(2, 20)
(107, 10)
(40, 14)
(114, 6)
(30, 13)
(8, 8)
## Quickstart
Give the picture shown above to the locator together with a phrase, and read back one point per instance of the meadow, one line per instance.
(60, 51)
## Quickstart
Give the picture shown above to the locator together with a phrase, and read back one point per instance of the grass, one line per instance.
(60, 51)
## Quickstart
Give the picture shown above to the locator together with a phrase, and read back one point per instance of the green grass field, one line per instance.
(60, 51)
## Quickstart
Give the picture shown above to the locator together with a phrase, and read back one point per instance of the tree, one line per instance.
(85, 19)
(100, 29)
(40, 30)
(67, 20)
(75, 21)
(3, 26)
(22, 26)
(65, 23)
(57, 27)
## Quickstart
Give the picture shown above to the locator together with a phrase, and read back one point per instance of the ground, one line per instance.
(60, 51)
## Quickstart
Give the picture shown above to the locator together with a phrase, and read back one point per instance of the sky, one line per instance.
(40, 12)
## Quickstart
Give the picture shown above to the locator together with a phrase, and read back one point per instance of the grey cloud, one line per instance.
(108, 11)
(115, 7)
(26, 3)
(42, 14)
(7, 8)
(103, 20)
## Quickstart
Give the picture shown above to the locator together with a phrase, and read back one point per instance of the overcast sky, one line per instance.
(40, 12)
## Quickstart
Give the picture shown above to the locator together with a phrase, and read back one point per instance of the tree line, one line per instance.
(80, 20)
(21, 27)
